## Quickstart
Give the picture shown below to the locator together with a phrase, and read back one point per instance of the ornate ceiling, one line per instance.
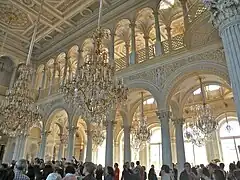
(58, 17)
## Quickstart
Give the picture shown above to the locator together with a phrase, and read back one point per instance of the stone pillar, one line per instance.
(181, 159)
(127, 145)
(226, 17)
(158, 45)
(127, 46)
(185, 13)
(146, 38)
(169, 35)
(19, 148)
(109, 143)
(8, 151)
(164, 117)
(89, 144)
(133, 44)
(71, 140)
(43, 144)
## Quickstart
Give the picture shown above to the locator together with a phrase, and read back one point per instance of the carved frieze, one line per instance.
(159, 75)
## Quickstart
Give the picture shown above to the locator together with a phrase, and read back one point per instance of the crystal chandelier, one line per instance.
(95, 89)
(98, 135)
(194, 135)
(18, 108)
(140, 132)
(203, 114)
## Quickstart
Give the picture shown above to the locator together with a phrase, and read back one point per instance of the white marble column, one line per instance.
(181, 159)
(133, 44)
(43, 144)
(226, 16)
(89, 144)
(185, 12)
(109, 143)
(8, 151)
(71, 140)
(164, 117)
(19, 148)
(127, 145)
(158, 45)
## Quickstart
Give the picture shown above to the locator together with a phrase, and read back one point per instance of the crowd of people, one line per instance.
(75, 170)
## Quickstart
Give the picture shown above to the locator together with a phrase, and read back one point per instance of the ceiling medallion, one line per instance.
(86, 12)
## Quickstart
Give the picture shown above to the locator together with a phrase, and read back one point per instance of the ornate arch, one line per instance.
(146, 85)
(181, 73)
(52, 113)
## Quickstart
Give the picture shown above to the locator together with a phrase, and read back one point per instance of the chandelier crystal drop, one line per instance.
(140, 132)
(98, 135)
(95, 88)
(205, 121)
(194, 135)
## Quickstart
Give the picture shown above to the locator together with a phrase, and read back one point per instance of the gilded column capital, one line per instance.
(163, 114)
(223, 11)
(178, 121)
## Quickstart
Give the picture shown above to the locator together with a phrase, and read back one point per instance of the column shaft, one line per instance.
(181, 159)
(158, 45)
(169, 34)
(164, 117)
(231, 42)
(127, 46)
(71, 140)
(43, 145)
(89, 144)
(8, 151)
(60, 151)
(111, 49)
(127, 145)
(133, 44)
(109, 144)
(43, 78)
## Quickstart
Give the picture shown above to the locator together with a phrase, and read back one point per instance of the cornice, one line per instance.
(119, 10)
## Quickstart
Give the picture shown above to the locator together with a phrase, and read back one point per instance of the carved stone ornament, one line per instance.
(163, 115)
(179, 121)
(222, 10)
(159, 75)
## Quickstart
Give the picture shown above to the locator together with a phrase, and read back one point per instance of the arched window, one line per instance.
(230, 140)
(155, 152)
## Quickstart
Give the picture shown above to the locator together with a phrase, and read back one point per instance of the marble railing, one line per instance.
(195, 11)
(177, 43)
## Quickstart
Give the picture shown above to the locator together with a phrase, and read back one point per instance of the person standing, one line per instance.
(116, 171)
(20, 170)
(152, 174)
